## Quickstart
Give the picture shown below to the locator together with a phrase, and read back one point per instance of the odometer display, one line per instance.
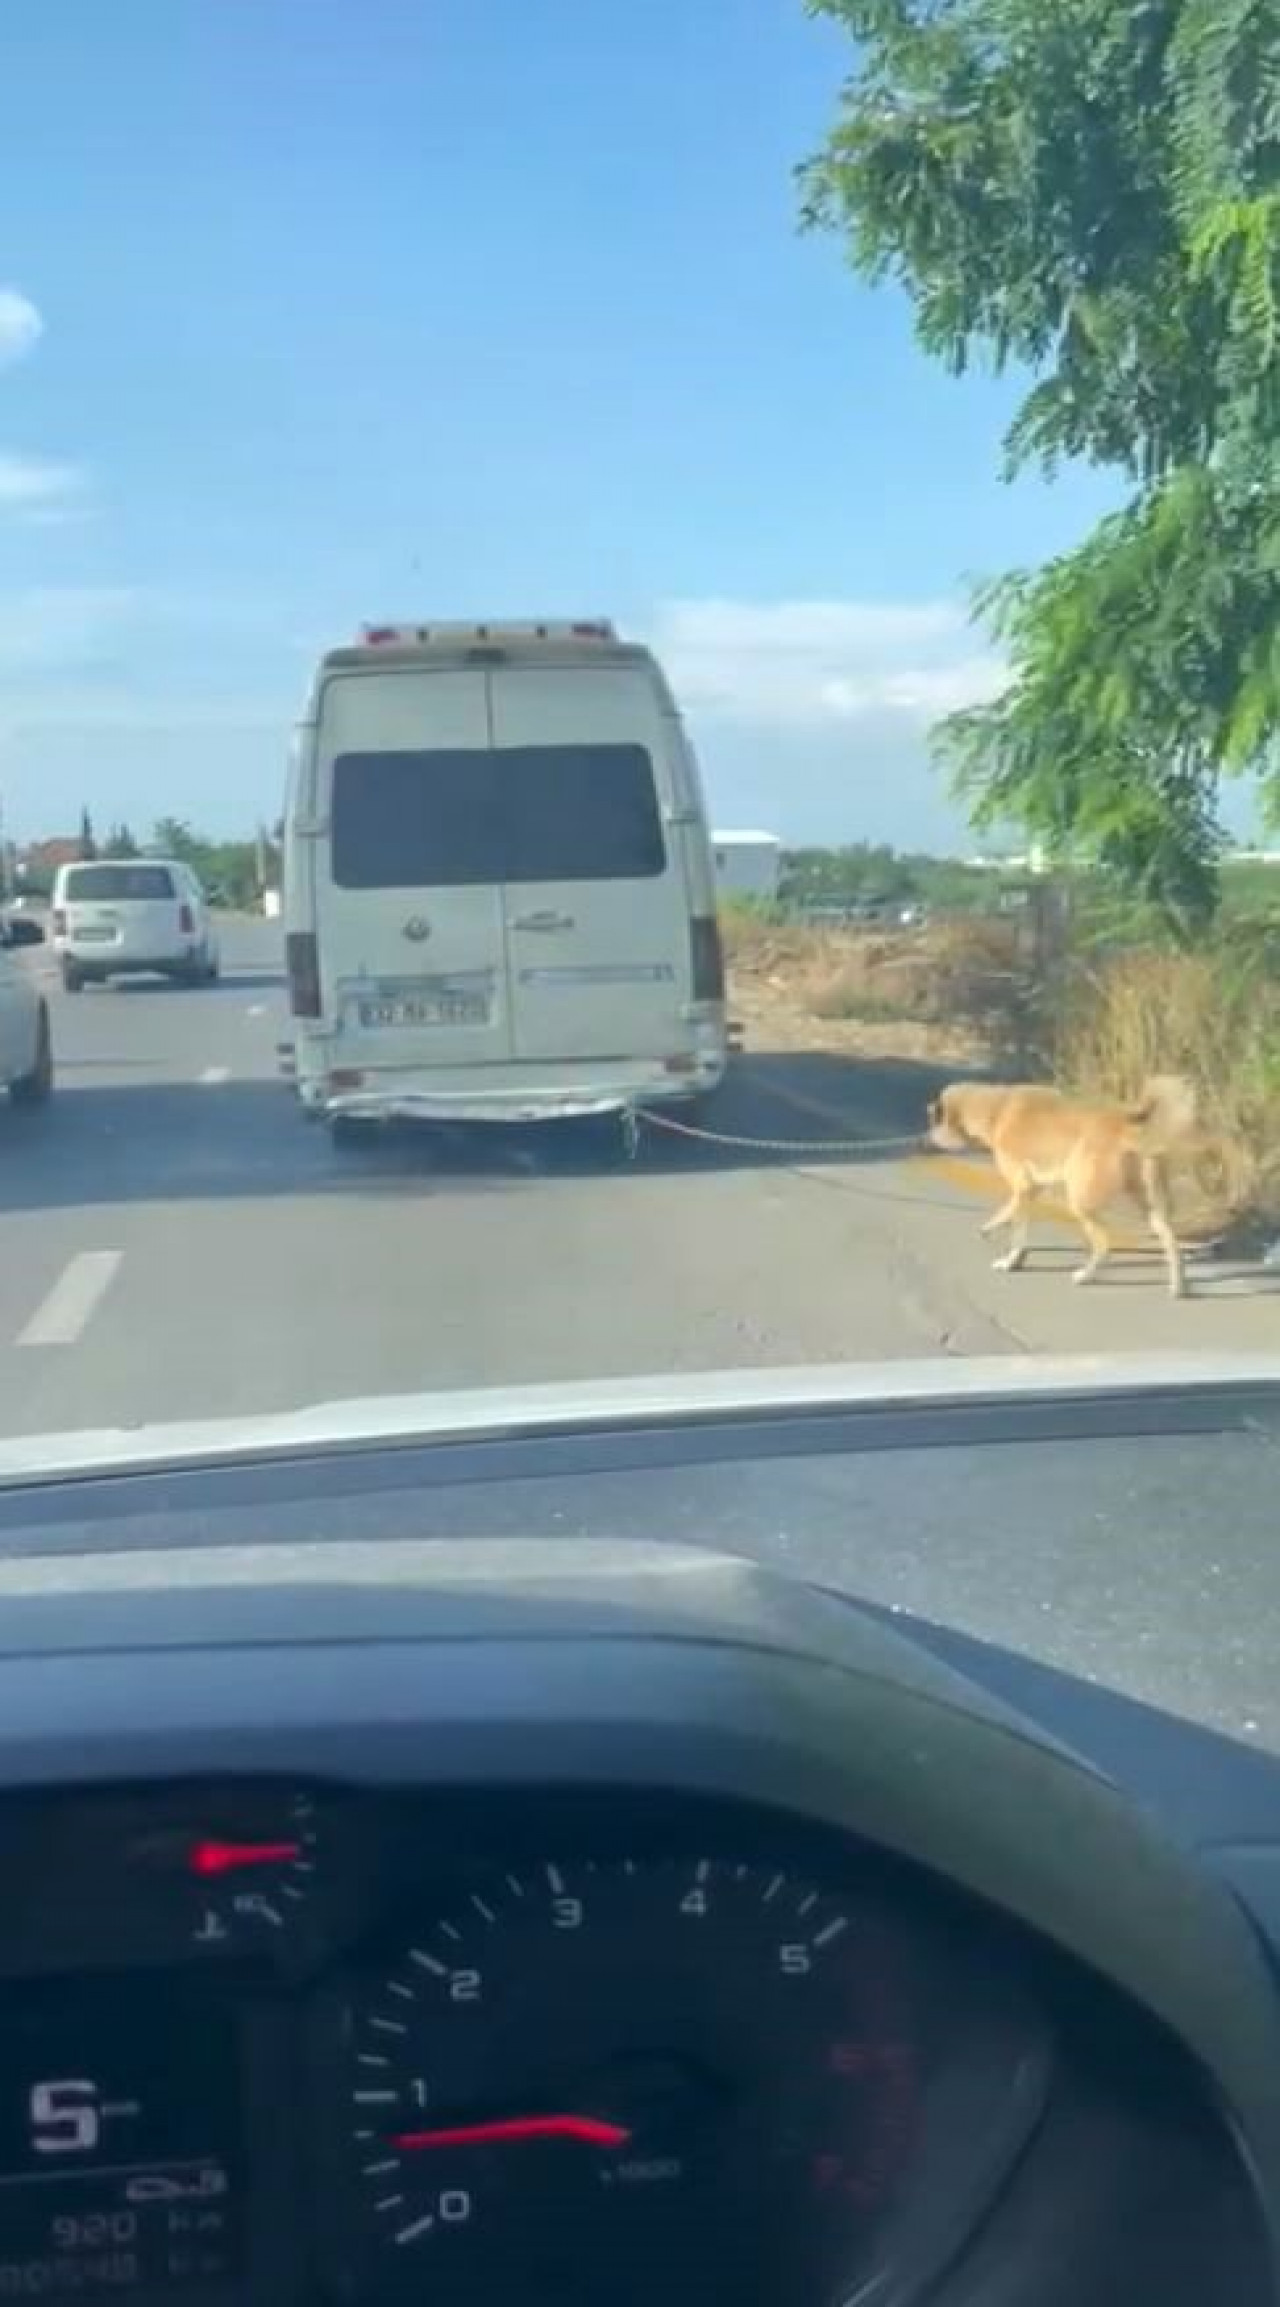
(120, 2154)
(697, 2075)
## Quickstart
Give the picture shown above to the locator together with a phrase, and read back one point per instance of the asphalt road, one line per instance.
(175, 1239)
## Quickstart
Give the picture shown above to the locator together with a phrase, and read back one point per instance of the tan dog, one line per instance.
(1092, 1152)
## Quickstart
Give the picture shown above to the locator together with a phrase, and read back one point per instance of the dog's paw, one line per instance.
(1008, 1264)
(1083, 1275)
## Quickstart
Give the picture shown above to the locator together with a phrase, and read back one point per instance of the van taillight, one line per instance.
(302, 963)
(186, 921)
(708, 958)
(59, 921)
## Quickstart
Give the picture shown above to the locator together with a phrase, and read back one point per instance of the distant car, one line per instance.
(26, 1046)
(132, 917)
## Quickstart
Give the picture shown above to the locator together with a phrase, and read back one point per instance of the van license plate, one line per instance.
(426, 1009)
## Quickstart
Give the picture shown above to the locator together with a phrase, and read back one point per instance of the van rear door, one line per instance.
(597, 915)
(409, 913)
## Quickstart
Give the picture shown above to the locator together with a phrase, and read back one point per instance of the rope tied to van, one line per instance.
(634, 1115)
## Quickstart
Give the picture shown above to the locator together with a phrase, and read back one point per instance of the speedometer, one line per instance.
(659, 2079)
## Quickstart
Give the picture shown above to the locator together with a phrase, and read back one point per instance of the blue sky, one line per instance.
(318, 311)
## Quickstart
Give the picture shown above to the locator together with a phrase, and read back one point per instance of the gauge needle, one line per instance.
(228, 1857)
(588, 2130)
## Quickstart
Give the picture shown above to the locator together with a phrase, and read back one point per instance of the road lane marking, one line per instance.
(73, 1300)
(256, 1009)
(213, 1074)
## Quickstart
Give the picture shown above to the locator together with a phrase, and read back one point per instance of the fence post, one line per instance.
(1042, 923)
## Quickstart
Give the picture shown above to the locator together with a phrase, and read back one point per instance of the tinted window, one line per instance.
(527, 813)
(581, 813)
(116, 883)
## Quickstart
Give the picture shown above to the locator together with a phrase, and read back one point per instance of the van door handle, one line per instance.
(552, 921)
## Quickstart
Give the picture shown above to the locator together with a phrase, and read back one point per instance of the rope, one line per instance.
(779, 1145)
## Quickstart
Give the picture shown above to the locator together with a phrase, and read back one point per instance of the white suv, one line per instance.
(127, 916)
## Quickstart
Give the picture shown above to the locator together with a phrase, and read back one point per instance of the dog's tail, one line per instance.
(1163, 1117)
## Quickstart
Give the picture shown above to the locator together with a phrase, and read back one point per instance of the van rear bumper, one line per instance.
(540, 1098)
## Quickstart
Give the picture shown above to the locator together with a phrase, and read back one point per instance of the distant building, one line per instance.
(747, 864)
(29, 871)
(1032, 860)
(44, 857)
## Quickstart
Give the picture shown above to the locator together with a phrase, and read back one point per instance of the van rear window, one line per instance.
(116, 884)
(521, 813)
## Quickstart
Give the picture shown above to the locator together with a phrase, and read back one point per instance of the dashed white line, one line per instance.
(213, 1074)
(80, 1288)
(256, 1009)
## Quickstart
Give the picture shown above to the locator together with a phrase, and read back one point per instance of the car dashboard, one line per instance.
(273, 2040)
(567, 1923)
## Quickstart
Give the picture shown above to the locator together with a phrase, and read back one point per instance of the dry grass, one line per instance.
(955, 991)
(1213, 1015)
(961, 972)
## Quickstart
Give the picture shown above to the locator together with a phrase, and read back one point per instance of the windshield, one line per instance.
(681, 604)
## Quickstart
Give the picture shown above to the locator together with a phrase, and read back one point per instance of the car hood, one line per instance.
(469, 1414)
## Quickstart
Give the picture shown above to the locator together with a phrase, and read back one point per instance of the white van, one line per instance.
(121, 917)
(499, 898)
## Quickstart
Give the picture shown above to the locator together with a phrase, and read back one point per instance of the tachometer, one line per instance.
(627, 2076)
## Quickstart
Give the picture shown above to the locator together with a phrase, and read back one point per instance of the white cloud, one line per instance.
(134, 653)
(815, 664)
(174, 716)
(39, 491)
(56, 516)
(30, 481)
(21, 327)
(45, 629)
